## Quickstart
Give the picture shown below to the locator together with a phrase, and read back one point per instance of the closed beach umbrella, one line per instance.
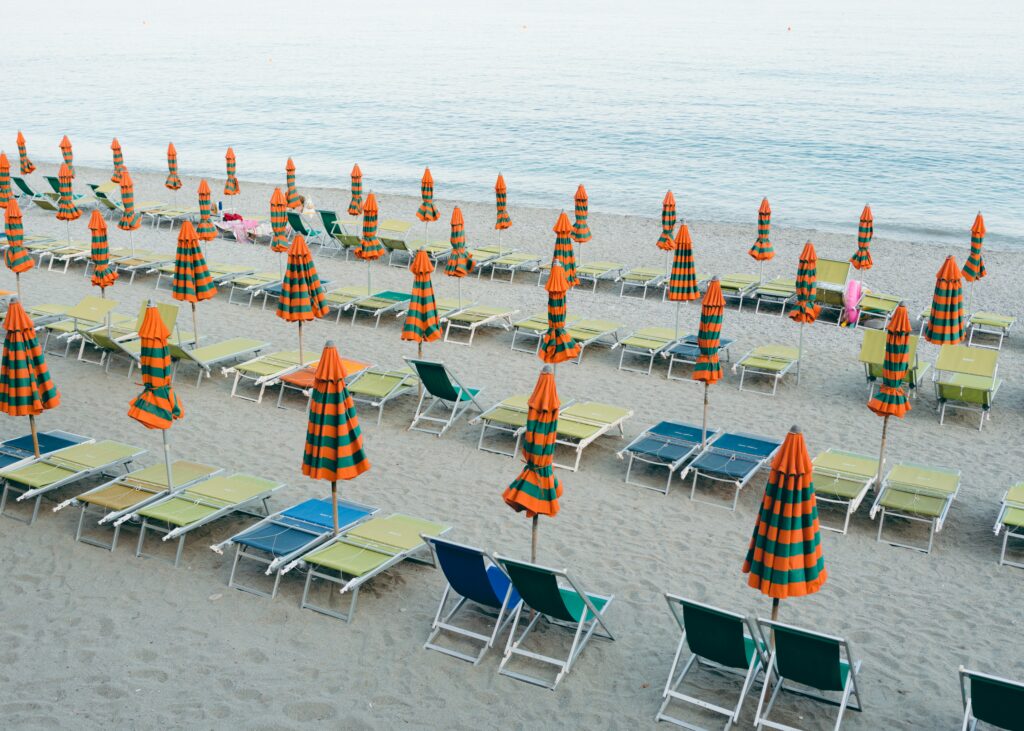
(173, 182)
(762, 249)
(427, 211)
(67, 154)
(708, 369)
(807, 308)
(460, 261)
(26, 388)
(536, 490)
(370, 247)
(302, 297)
(205, 231)
(668, 222)
(974, 267)
(192, 280)
(682, 280)
(580, 228)
(292, 193)
(16, 256)
(157, 407)
(5, 180)
(231, 186)
(891, 398)
(103, 273)
(502, 220)
(946, 323)
(355, 206)
(784, 558)
(421, 325)
(278, 221)
(563, 249)
(67, 211)
(334, 442)
(130, 218)
(556, 345)
(115, 148)
(26, 165)
(862, 258)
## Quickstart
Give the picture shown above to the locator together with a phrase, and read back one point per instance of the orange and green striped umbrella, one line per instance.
(536, 490)
(192, 281)
(762, 249)
(26, 165)
(103, 273)
(946, 323)
(460, 261)
(66, 208)
(974, 267)
(580, 227)
(16, 256)
(157, 406)
(427, 210)
(784, 558)
(502, 219)
(862, 258)
(556, 345)
(231, 186)
(807, 308)
(421, 325)
(355, 206)
(682, 282)
(206, 230)
(130, 218)
(334, 441)
(708, 369)
(173, 182)
(26, 388)
(302, 296)
(891, 399)
(370, 247)
(563, 249)
(293, 194)
(278, 221)
(67, 154)
(5, 179)
(668, 222)
(119, 168)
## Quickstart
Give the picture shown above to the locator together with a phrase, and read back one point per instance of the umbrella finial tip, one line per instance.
(150, 302)
(547, 368)
(329, 344)
(795, 429)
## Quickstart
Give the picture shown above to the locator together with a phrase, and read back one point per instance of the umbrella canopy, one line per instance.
(173, 182)
(502, 220)
(67, 154)
(278, 221)
(5, 179)
(460, 261)
(355, 206)
(115, 148)
(292, 193)
(205, 231)
(26, 388)
(580, 228)
(784, 558)
(807, 308)
(712, 309)
(130, 218)
(862, 258)
(536, 490)
(762, 249)
(563, 249)
(66, 208)
(974, 267)
(682, 282)
(157, 406)
(370, 246)
(891, 399)
(231, 186)
(421, 325)
(668, 222)
(192, 280)
(556, 345)
(26, 165)
(946, 322)
(334, 443)
(302, 296)
(103, 273)
(16, 256)
(427, 210)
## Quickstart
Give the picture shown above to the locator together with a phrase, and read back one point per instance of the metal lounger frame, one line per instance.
(776, 376)
(504, 319)
(357, 308)
(1001, 333)
(934, 524)
(673, 359)
(850, 504)
(639, 352)
(261, 382)
(738, 484)
(457, 409)
(655, 281)
(1008, 532)
(672, 466)
(400, 389)
(581, 444)
(206, 368)
(515, 432)
(525, 265)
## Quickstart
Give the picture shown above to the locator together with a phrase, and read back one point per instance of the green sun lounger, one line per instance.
(508, 416)
(363, 552)
(213, 355)
(770, 361)
(844, 479)
(593, 332)
(582, 422)
(252, 285)
(877, 306)
(378, 304)
(738, 287)
(484, 254)
(298, 226)
(990, 324)
(917, 493)
(591, 271)
(1011, 521)
(20, 184)
(446, 308)
(142, 261)
(91, 312)
(221, 274)
(872, 356)
(438, 251)
(647, 342)
(832, 276)
(965, 379)
(510, 262)
(66, 253)
(341, 298)
(641, 278)
(378, 387)
(472, 319)
(393, 233)
(343, 233)
(263, 370)
(121, 339)
(532, 329)
(780, 291)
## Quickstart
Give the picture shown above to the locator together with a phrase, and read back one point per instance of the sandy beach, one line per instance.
(93, 639)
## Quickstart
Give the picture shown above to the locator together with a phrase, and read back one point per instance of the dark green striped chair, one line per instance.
(992, 700)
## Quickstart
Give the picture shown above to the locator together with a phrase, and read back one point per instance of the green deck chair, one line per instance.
(392, 234)
(965, 379)
(340, 231)
(442, 391)
(992, 700)
(916, 493)
(299, 226)
(844, 479)
(378, 387)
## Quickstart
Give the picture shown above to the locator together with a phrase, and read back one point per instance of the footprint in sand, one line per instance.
(310, 711)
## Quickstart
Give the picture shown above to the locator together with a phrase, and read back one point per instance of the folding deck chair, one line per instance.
(917, 493)
(583, 422)
(642, 278)
(19, 451)
(1011, 521)
(965, 378)
(726, 643)
(252, 285)
(50, 472)
(378, 387)
(732, 458)
(553, 596)
(378, 304)
(122, 338)
(510, 263)
(872, 355)
(213, 355)
(818, 664)
(667, 444)
(182, 512)
(770, 361)
(279, 539)
(339, 231)
(298, 226)
(441, 390)
(647, 342)
(780, 291)
(364, 552)
(844, 479)
(471, 319)
(23, 189)
(877, 306)
(474, 580)
(264, 370)
(103, 196)
(687, 351)
(392, 234)
(991, 700)
(989, 324)
(738, 287)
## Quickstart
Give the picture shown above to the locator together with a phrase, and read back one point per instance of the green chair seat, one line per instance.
(69, 462)
(993, 319)
(574, 603)
(378, 385)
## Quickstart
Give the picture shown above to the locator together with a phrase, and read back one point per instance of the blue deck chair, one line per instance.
(15, 452)
(441, 390)
(733, 458)
(475, 578)
(279, 539)
(686, 352)
(990, 699)
(668, 444)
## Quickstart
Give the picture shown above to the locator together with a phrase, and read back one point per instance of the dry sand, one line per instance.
(97, 640)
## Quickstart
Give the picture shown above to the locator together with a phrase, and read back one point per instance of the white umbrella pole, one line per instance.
(131, 238)
(677, 318)
(167, 459)
(369, 286)
(334, 504)
(195, 323)
(499, 243)
(460, 289)
(970, 299)
(704, 427)
(68, 223)
(17, 280)
(300, 343)
(881, 451)
(760, 276)
(800, 354)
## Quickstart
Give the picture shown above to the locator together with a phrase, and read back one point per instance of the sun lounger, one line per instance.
(342, 298)
(582, 422)
(114, 339)
(917, 493)
(872, 355)
(843, 478)
(991, 700)
(876, 306)
(531, 328)
(49, 472)
(647, 342)
(90, 313)
(113, 205)
(597, 271)
(726, 643)
(832, 276)
(1011, 521)
(272, 293)
(23, 189)
(19, 451)
(641, 278)
(738, 287)
(965, 378)
(221, 274)
(378, 387)
(252, 285)
(592, 332)
(402, 251)
(343, 233)
(506, 417)
(770, 361)
(474, 580)
(732, 458)
(668, 445)
(142, 261)
(265, 369)
(989, 324)
(472, 319)
(67, 254)
(779, 292)
(363, 552)
(510, 263)
(101, 194)
(445, 308)
(303, 379)
(378, 304)
(298, 226)
(551, 595)
(45, 314)
(172, 215)
(392, 234)
(687, 351)
(484, 254)
(438, 251)
(213, 355)
(819, 665)
(442, 391)
(282, 537)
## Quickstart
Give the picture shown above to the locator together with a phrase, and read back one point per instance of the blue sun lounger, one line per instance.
(668, 444)
(733, 458)
(279, 539)
(15, 452)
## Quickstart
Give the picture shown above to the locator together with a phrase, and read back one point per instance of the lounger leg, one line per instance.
(142, 538)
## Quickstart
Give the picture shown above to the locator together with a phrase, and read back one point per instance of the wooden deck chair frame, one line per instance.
(502, 319)
(934, 523)
(1004, 708)
(1009, 531)
(458, 408)
(672, 466)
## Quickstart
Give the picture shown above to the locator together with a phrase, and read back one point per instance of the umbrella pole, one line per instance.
(300, 342)
(775, 609)
(800, 354)
(704, 427)
(35, 434)
(67, 222)
(368, 275)
(761, 273)
(970, 298)
(677, 318)
(17, 279)
(131, 238)
(167, 459)
(533, 540)
(195, 323)
(460, 280)
(334, 504)
(881, 452)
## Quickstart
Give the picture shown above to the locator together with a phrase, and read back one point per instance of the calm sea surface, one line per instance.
(917, 108)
